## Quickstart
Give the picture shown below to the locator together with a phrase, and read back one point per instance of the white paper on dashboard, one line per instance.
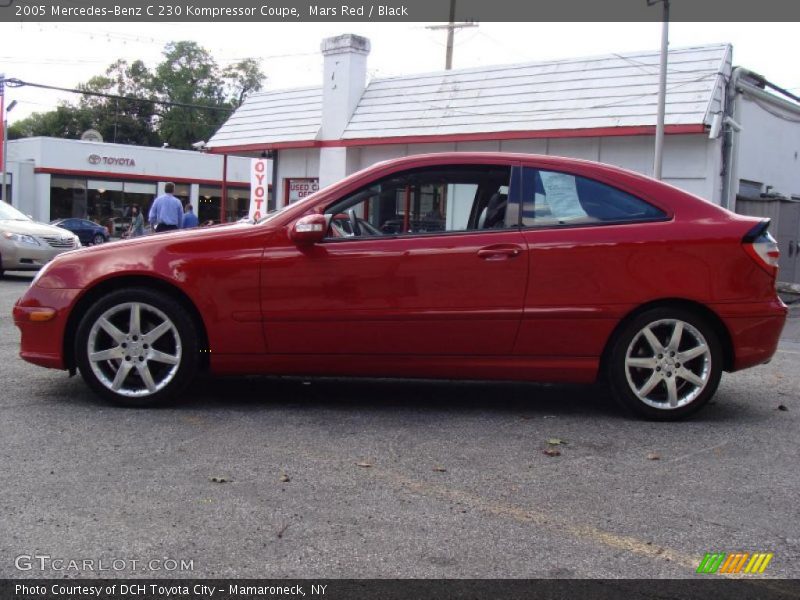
(562, 195)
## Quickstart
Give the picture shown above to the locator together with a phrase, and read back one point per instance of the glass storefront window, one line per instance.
(138, 194)
(68, 198)
(238, 203)
(109, 202)
(207, 209)
(105, 202)
(182, 192)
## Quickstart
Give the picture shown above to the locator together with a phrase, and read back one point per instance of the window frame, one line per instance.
(513, 198)
(666, 214)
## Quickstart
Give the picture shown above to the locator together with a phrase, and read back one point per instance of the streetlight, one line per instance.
(8, 109)
(662, 89)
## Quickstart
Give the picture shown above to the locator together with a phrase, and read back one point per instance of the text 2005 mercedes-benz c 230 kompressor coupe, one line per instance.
(454, 266)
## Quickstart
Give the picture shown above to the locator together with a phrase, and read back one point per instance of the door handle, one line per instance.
(499, 252)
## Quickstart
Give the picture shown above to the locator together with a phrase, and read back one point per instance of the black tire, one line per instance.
(630, 383)
(179, 343)
(99, 238)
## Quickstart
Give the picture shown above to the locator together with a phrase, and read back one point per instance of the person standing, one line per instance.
(137, 222)
(189, 218)
(166, 213)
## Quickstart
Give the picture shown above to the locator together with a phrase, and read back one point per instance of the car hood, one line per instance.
(32, 228)
(161, 255)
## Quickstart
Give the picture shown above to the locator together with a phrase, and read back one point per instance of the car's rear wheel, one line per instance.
(137, 347)
(665, 364)
(99, 238)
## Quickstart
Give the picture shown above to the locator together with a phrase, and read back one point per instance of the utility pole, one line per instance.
(451, 28)
(662, 90)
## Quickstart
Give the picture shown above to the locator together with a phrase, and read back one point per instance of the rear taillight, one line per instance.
(762, 248)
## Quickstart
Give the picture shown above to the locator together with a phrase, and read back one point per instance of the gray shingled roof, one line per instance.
(618, 90)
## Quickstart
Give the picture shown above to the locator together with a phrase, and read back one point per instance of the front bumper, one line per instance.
(43, 340)
(26, 257)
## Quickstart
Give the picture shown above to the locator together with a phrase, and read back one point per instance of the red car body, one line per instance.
(429, 306)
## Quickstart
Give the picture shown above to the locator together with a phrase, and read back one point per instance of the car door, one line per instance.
(426, 261)
(585, 238)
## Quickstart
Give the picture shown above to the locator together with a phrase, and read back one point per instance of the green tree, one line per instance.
(242, 78)
(119, 120)
(188, 74)
(66, 121)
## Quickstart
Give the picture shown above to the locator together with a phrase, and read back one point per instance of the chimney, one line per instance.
(344, 79)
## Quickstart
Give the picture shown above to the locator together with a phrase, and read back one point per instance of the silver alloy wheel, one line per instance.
(668, 364)
(134, 349)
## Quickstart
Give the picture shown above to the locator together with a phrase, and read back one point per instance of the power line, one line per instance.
(15, 83)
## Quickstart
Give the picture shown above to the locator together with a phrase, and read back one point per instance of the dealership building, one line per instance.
(52, 178)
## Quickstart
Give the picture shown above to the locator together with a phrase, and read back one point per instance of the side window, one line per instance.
(553, 198)
(427, 200)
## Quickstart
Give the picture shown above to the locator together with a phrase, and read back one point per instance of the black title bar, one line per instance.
(396, 10)
(397, 589)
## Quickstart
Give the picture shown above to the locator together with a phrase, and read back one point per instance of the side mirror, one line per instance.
(310, 229)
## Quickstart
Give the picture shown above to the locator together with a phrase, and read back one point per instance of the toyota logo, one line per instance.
(94, 159)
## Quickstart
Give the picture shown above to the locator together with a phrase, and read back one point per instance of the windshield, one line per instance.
(273, 213)
(9, 213)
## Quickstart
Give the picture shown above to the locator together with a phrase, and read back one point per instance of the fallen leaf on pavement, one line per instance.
(552, 452)
(282, 530)
(219, 479)
(653, 456)
(285, 478)
(783, 407)
(366, 465)
(555, 441)
(440, 469)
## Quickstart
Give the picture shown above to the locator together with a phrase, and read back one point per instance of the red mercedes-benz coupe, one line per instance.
(453, 266)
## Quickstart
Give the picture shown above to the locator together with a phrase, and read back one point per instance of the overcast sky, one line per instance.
(65, 54)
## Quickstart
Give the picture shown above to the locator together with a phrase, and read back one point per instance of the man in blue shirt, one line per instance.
(166, 213)
(189, 218)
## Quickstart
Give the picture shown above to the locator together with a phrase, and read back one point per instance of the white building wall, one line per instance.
(302, 162)
(768, 148)
(374, 154)
(691, 162)
(537, 146)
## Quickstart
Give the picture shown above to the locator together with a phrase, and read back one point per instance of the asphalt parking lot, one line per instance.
(342, 478)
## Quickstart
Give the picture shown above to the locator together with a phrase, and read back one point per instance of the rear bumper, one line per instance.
(43, 341)
(755, 330)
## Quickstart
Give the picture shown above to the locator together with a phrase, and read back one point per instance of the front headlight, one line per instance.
(21, 238)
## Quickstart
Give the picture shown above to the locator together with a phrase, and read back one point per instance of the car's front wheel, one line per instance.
(99, 238)
(665, 364)
(137, 347)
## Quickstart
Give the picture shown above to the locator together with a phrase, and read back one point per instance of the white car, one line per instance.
(26, 245)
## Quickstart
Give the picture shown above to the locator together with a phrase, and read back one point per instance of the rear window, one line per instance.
(554, 198)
